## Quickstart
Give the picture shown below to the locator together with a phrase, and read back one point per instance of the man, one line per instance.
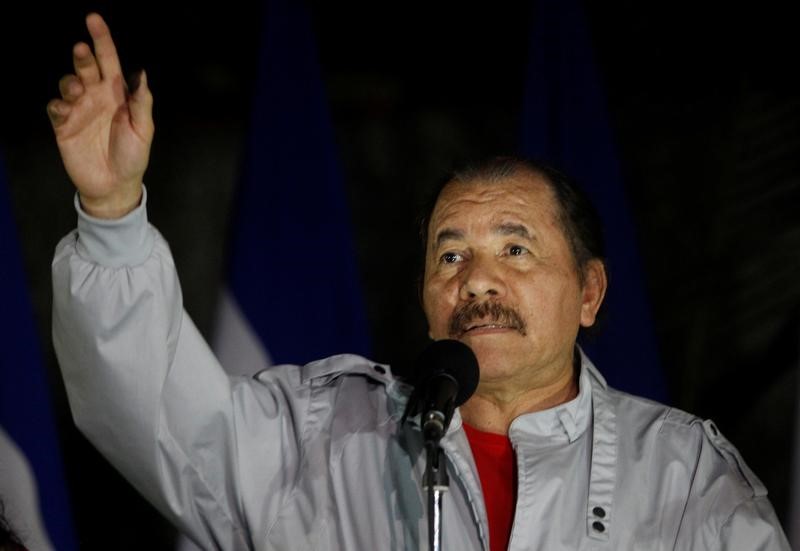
(543, 456)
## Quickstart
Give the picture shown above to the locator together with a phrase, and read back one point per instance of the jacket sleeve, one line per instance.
(753, 526)
(146, 390)
(732, 503)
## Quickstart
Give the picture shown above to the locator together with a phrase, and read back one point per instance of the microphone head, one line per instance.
(451, 358)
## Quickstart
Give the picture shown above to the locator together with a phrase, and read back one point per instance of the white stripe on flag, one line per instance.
(236, 345)
(793, 521)
(20, 496)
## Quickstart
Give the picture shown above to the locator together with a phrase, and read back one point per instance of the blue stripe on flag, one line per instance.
(25, 408)
(293, 269)
(566, 123)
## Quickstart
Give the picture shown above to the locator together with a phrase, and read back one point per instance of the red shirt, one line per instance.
(497, 469)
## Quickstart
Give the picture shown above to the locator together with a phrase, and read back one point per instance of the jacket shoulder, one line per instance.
(327, 371)
(673, 433)
(333, 386)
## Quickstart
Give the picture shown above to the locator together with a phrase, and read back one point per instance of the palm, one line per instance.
(99, 145)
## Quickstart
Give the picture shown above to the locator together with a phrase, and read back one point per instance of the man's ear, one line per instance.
(595, 283)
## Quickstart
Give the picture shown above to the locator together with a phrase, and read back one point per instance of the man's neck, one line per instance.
(492, 409)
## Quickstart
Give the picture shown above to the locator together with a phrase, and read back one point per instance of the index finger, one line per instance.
(104, 49)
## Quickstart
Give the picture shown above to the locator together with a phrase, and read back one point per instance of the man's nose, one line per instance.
(482, 279)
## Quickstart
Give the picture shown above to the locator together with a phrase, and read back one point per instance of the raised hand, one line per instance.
(103, 130)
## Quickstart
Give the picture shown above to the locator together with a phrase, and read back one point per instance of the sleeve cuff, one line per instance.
(125, 241)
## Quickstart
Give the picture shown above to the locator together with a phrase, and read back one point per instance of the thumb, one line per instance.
(140, 102)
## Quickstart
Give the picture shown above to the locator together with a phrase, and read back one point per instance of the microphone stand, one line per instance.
(447, 375)
(437, 482)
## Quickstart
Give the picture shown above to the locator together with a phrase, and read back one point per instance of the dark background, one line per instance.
(704, 101)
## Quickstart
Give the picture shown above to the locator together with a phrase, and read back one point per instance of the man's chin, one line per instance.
(495, 347)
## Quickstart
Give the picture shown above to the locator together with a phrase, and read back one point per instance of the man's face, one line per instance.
(500, 276)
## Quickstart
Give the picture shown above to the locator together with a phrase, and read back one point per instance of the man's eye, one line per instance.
(517, 250)
(449, 258)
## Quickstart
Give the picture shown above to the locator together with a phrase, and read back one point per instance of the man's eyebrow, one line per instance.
(513, 229)
(447, 234)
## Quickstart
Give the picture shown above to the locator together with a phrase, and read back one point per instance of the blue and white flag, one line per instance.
(32, 486)
(293, 285)
(566, 123)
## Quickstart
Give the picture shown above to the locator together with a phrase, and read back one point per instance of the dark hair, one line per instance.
(578, 218)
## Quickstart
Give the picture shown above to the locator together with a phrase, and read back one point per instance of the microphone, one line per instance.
(446, 375)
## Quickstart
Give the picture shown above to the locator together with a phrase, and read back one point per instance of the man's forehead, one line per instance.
(518, 194)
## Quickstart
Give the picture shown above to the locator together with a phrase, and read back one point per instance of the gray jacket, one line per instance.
(315, 457)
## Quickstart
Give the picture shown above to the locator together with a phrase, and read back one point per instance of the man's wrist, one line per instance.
(111, 208)
(123, 241)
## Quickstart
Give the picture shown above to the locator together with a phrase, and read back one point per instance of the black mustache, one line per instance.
(494, 311)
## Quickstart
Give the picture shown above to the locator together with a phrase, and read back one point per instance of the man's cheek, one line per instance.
(443, 323)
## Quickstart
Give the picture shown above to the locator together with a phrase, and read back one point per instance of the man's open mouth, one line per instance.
(486, 326)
